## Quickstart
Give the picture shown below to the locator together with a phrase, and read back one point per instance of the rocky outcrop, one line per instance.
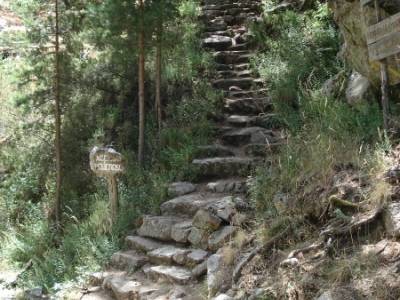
(352, 24)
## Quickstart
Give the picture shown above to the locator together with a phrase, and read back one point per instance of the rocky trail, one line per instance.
(179, 254)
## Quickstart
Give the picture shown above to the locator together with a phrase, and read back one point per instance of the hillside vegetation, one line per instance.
(311, 204)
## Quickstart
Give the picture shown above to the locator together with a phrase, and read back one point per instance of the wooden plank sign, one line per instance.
(389, 45)
(383, 29)
(106, 162)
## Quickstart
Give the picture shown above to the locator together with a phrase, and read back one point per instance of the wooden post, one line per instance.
(113, 195)
(384, 78)
(107, 163)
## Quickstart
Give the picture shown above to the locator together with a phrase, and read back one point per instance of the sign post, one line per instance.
(108, 163)
(383, 39)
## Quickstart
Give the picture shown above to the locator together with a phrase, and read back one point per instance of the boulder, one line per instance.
(158, 227)
(180, 232)
(358, 89)
(173, 274)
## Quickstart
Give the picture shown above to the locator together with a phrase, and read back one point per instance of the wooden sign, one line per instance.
(383, 29)
(108, 163)
(388, 46)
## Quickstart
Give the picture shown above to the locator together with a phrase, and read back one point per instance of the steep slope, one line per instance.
(170, 253)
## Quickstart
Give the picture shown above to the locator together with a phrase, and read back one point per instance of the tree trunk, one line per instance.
(57, 116)
(141, 86)
(158, 76)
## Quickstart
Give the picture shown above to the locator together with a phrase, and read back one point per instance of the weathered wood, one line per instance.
(386, 47)
(113, 195)
(383, 29)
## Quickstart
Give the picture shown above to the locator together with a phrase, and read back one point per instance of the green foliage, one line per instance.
(322, 133)
(300, 50)
(99, 85)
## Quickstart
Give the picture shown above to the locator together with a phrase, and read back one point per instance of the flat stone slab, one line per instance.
(196, 256)
(249, 135)
(228, 186)
(247, 105)
(180, 188)
(158, 227)
(187, 205)
(223, 166)
(218, 42)
(213, 151)
(168, 255)
(142, 244)
(128, 259)
(220, 237)
(170, 273)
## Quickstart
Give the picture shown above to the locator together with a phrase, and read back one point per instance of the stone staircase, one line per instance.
(169, 255)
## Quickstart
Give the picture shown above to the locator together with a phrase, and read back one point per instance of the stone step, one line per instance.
(268, 121)
(223, 166)
(256, 93)
(131, 260)
(226, 83)
(171, 274)
(213, 151)
(188, 205)
(249, 106)
(262, 149)
(176, 189)
(228, 186)
(232, 57)
(165, 228)
(124, 288)
(217, 42)
(248, 135)
(234, 74)
(175, 255)
(142, 244)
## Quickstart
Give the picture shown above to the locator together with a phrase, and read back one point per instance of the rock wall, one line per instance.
(352, 24)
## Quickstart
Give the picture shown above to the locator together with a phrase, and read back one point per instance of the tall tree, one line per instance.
(141, 84)
(158, 103)
(57, 117)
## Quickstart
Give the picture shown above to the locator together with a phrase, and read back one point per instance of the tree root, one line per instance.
(265, 247)
(342, 226)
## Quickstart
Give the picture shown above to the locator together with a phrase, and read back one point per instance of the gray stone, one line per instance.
(170, 273)
(220, 237)
(248, 105)
(200, 270)
(340, 294)
(180, 188)
(358, 89)
(159, 227)
(187, 205)
(35, 294)
(142, 244)
(213, 151)
(129, 259)
(125, 289)
(206, 220)
(224, 208)
(392, 219)
(217, 42)
(228, 186)
(249, 135)
(199, 238)
(180, 232)
(168, 254)
(196, 257)
(218, 274)
(223, 166)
